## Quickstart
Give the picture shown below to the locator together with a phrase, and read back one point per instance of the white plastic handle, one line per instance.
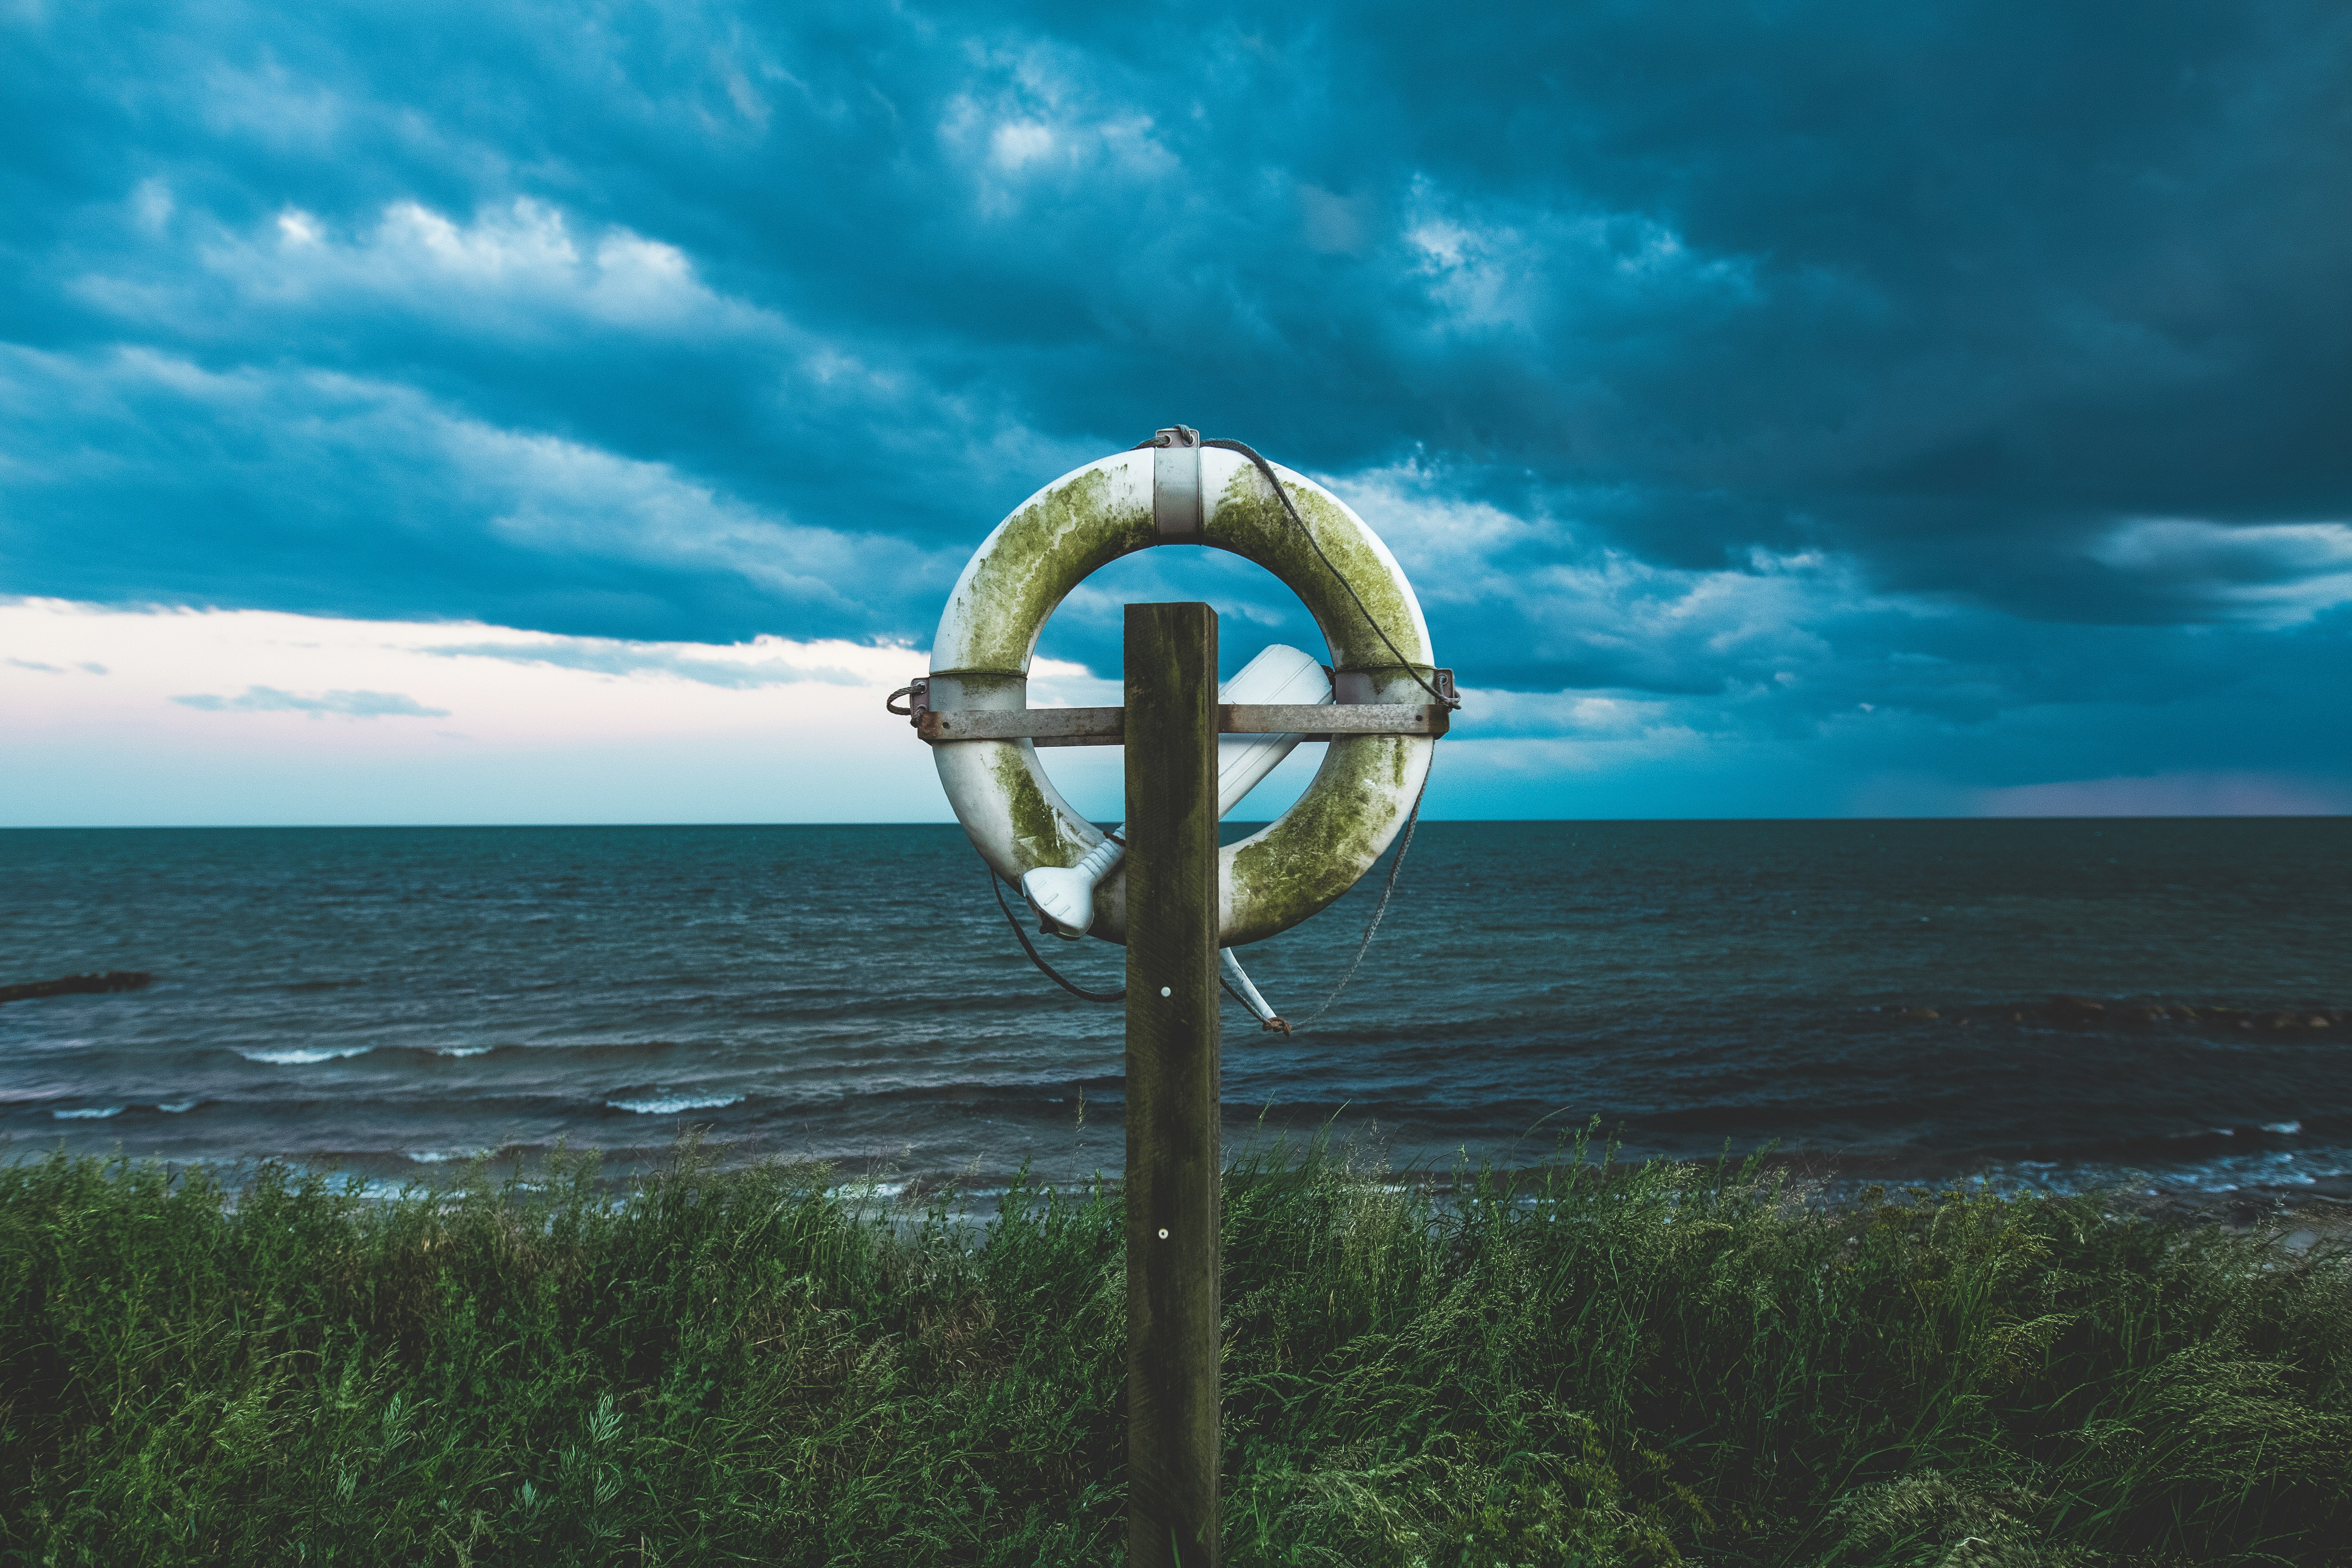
(1064, 897)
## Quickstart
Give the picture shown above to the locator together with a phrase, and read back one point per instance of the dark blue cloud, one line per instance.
(348, 704)
(1978, 364)
(614, 658)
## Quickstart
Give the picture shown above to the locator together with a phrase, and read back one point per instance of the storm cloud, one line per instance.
(1956, 394)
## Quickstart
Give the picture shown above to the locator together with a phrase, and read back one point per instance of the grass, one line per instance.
(1579, 1364)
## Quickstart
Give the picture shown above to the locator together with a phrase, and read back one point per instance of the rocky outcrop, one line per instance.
(79, 985)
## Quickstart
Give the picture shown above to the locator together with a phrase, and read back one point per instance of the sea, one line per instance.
(1924, 1002)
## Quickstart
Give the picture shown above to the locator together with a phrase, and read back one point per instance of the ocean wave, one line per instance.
(97, 1114)
(304, 1056)
(2227, 1172)
(1739, 1028)
(671, 1103)
(442, 1156)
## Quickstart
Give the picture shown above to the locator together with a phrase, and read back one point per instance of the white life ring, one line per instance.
(1367, 785)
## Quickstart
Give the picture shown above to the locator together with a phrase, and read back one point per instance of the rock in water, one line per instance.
(79, 985)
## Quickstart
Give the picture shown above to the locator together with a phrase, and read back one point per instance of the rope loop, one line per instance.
(1080, 992)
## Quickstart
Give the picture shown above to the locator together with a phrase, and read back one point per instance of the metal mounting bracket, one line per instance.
(1356, 686)
(1108, 726)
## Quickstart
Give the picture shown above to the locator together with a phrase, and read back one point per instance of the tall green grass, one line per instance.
(1577, 1364)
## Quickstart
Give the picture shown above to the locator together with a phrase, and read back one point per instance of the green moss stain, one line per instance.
(1037, 835)
(1324, 843)
(1044, 550)
(1250, 521)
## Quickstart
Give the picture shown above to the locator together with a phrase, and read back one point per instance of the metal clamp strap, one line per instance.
(1108, 726)
(1176, 484)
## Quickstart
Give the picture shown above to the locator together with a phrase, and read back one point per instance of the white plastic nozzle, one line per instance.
(1064, 897)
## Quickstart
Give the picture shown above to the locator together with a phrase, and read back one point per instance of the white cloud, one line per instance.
(522, 268)
(1483, 278)
(1014, 146)
(2268, 574)
(525, 255)
(1552, 269)
(215, 716)
(1030, 116)
(536, 491)
(1563, 602)
(152, 205)
(564, 497)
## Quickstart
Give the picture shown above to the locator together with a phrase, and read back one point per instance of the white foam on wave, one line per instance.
(669, 1104)
(2235, 1170)
(99, 1114)
(174, 1109)
(442, 1156)
(304, 1056)
(463, 1050)
(2288, 1127)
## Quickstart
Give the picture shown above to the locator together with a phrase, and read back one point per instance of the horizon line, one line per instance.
(1253, 822)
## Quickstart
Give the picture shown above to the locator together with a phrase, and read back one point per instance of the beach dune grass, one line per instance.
(1578, 1363)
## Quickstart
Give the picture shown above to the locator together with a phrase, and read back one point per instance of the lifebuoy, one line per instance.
(988, 633)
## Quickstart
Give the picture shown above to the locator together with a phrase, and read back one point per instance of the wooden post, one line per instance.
(1173, 1439)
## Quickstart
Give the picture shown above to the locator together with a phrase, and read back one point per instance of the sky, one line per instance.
(505, 413)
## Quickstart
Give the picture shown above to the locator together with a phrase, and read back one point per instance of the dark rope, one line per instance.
(1374, 924)
(1272, 1024)
(1037, 958)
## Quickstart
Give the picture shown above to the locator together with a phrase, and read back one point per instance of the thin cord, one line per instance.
(1038, 959)
(1282, 493)
(1374, 924)
(1372, 928)
(1119, 995)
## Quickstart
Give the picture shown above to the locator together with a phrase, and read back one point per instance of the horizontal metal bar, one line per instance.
(1332, 718)
(1046, 726)
(1108, 726)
